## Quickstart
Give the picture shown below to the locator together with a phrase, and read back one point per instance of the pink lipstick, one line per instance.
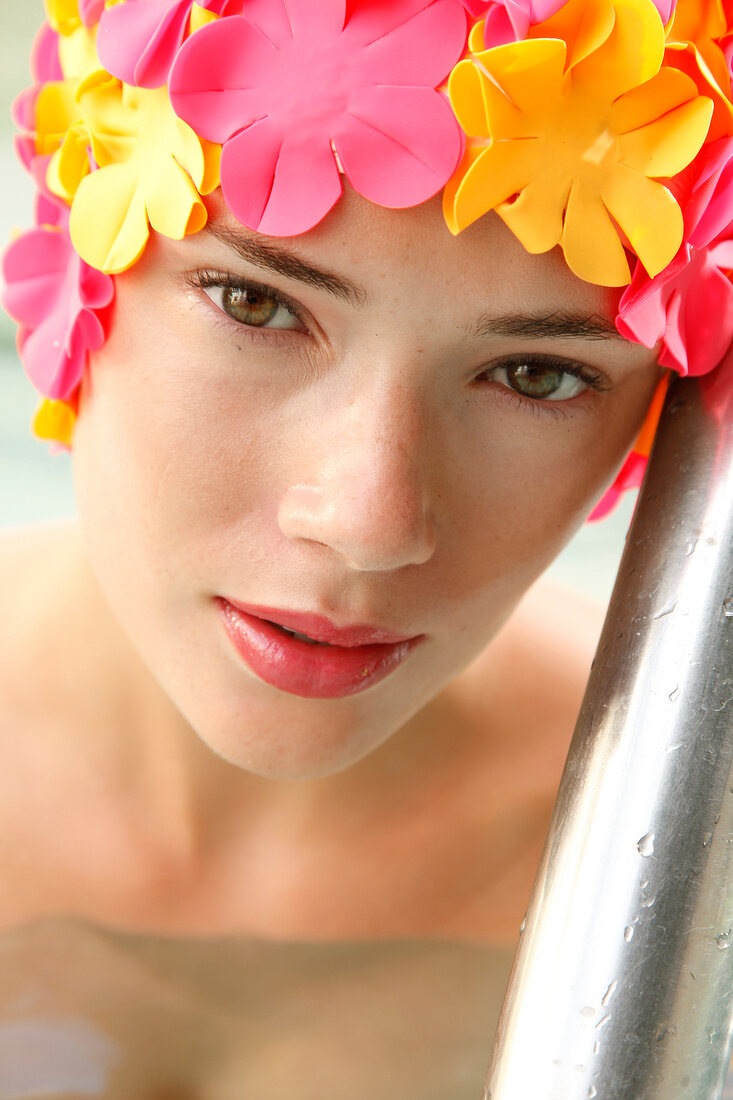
(308, 655)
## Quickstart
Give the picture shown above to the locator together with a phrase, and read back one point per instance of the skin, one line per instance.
(370, 464)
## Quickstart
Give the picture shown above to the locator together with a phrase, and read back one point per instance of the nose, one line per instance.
(365, 493)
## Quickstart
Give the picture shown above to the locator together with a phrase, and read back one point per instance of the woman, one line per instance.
(325, 444)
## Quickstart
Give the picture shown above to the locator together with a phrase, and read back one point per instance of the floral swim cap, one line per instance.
(604, 127)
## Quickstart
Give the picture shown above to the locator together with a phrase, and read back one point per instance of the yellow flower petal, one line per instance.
(591, 243)
(78, 52)
(63, 15)
(200, 17)
(54, 420)
(69, 164)
(109, 222)
(151, 167)
(56, 110)
(647, 213)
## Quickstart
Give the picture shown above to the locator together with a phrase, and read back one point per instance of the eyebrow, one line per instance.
(557, 325)
(276, 258)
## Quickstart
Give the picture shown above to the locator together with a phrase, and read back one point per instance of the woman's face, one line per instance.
(375, 424)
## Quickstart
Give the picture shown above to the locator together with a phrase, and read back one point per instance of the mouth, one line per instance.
(309, 656)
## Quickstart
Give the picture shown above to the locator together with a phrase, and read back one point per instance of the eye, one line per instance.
(246, 302)
(544, 380)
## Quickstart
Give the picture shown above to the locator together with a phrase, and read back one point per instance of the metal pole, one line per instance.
(622, 987)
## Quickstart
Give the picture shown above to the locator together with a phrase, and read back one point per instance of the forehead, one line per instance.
(413, 252)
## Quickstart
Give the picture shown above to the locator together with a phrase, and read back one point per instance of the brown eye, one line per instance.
(541, 381)
(251, 307)
(534, 381)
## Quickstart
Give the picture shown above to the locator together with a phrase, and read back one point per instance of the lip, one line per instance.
(349, 660)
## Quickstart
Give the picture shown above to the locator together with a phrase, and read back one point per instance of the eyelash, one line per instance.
(209, 278)
(206, 279)
(593, 379)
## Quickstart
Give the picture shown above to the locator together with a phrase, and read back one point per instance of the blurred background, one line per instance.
(35, 487)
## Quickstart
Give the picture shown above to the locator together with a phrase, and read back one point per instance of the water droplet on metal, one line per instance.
(648, 902)
(609, 993)
(665, 611)
(646, 844)
(592, 1091)
(706, 840)
(628, 932)
(522, 926)
(603, 1021)
(728, 607)
(596, 1047)
(723, 940)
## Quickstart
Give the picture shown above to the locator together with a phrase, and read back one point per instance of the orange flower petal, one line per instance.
(647, 213)
(666, 146)
(536, 216)
(502, 169)
(591, 243)
(583, 25)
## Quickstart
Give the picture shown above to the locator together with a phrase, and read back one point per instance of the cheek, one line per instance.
(166, 464)
(531, 484)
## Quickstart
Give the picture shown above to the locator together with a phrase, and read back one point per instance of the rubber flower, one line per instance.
(703, 23)
(150, 170)
(66, 15)
(510, 20)
(54, 296)
(689, 306)
(138, 39)
(296, 91)
(577, 121)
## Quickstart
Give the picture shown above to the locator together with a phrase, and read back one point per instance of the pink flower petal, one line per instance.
(387, 158)
(45, 64)
(51, 211)
(700, 320)
(421, 48)
(220, 79)
(630, 476)
(709, 211)
(50, 291)
(90, 11)
(25, 150)
(138, 39)
(23, 109)
(500, 28)
(688, 306)
(665, 9)
(279, 187)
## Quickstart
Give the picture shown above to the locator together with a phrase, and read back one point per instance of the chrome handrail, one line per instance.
(622, 987)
